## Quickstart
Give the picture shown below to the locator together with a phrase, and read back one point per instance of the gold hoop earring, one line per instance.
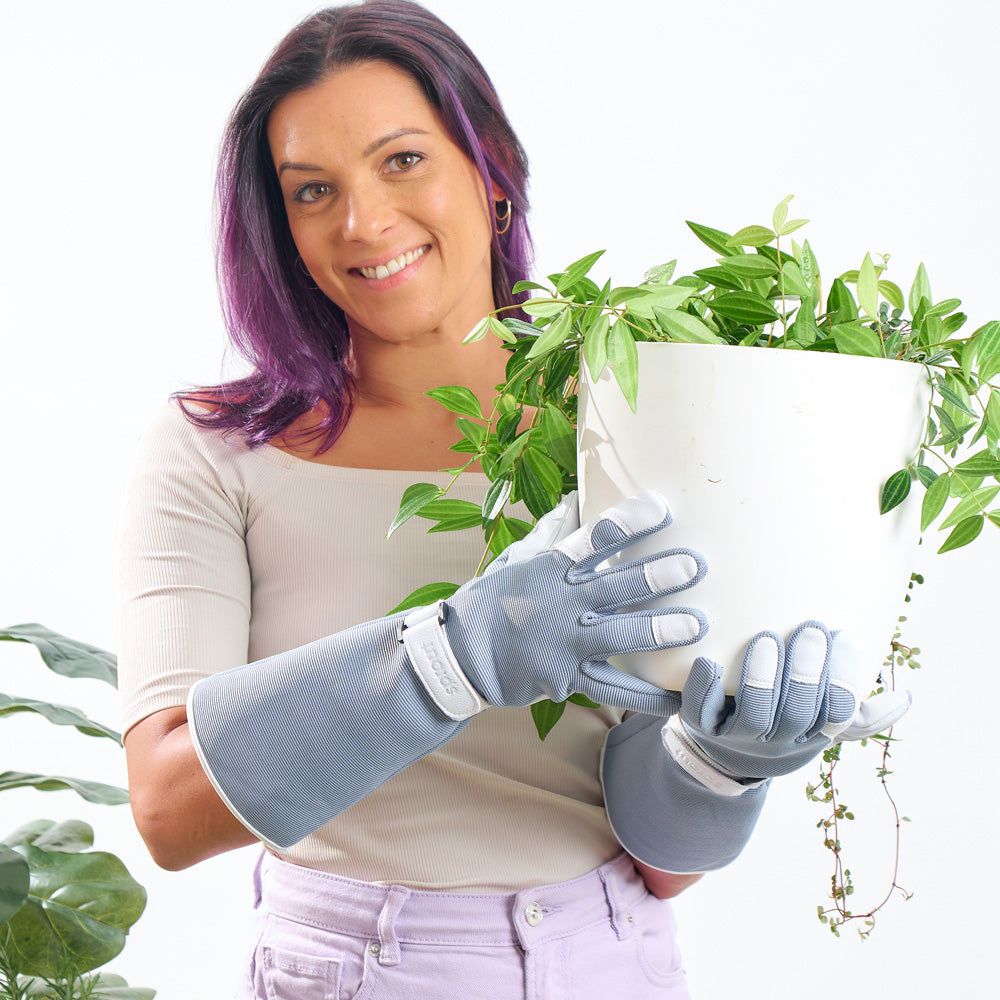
(502, 218)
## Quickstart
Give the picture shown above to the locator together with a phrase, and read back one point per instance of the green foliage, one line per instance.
(65, 910)
(761, 290)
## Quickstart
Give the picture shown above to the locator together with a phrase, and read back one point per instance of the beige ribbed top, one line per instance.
(230, 555)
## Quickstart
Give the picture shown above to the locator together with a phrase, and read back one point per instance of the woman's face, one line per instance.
(390, 217)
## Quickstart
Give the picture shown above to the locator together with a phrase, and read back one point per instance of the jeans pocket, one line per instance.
(656, 944)
(290, 975)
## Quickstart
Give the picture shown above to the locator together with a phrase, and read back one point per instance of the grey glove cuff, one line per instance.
(661, 814)
(681, 745)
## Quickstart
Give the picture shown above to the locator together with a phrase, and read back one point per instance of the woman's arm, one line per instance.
(664, 885)
(177, 811)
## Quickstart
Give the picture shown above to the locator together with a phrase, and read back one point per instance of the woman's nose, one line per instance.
(368, 212)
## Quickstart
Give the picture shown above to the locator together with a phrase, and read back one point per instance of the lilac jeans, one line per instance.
(323, 937)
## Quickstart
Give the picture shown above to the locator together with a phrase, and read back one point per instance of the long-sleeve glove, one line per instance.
(291, 741)
(683, 795)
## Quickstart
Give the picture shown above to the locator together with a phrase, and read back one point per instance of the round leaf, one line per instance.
(78, 910)
(14, 880)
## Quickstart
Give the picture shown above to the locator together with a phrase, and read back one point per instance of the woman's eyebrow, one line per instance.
(372, 147)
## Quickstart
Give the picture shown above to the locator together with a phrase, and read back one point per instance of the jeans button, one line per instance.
(533, 914)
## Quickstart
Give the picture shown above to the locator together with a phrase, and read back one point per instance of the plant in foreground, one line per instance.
(65, 910)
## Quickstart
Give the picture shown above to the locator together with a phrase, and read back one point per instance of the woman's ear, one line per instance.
(498, 194)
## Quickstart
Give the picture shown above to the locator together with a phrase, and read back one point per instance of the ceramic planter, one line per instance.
(772, 462)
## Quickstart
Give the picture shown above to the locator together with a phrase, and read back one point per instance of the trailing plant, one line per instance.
(763, 289)
(65, 910)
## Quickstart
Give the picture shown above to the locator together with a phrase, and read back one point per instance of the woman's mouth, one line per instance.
(394, 266)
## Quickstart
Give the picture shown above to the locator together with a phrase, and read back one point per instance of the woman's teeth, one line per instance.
(393, 266)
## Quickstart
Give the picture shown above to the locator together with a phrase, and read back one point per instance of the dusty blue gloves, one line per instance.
(683, 795)
(291, 741)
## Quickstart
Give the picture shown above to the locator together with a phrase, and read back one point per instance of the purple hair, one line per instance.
(294, 336)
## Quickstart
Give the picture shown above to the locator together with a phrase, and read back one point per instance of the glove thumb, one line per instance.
(875, 715)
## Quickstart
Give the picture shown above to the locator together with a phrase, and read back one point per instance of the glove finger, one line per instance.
(850, 680)
(640, 580)
(607, 685)
(874, 715)
(759, 691)
(805, 676)
(704, 705)
(614, 528)
(641, 631)
(550, 529)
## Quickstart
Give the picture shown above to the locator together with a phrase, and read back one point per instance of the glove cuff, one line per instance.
(679, 743)
(422, 634)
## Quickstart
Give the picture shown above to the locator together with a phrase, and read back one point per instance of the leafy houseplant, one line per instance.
(756, 293)
(65, 910)
(763, 289)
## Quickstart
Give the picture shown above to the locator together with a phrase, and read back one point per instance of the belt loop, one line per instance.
(258, 884)
(621, 919)
(388, 943)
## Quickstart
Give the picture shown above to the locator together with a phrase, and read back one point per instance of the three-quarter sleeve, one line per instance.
(184, 580)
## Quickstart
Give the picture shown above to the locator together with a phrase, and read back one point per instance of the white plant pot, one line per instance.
(772, 462)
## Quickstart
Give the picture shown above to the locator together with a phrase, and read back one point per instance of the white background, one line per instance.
(881, 119)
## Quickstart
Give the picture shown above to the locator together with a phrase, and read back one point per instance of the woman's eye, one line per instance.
(310, 193)
(404, 161)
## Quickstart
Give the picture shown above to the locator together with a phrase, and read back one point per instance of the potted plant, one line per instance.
(65, 910)
(914, 384)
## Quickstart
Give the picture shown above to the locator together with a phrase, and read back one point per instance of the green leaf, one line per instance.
(512, 452)
(559, 437)
(971, 505)
(988, 343)
(780, 213)
(498, 329)
(430, 593)
(868, 287)
(495, 499)
(547, 713)
(954, 323)
(629, 294)
(414, 497)
(624, 361)
(861, 341)
(749, 265)
(660, 297)
(478, 331)
(920, 289)
(595, 345)
(14, 879)
(578, 269)
(660, 274)
(472, 432)
(68, 657)
(751, 236)
(72, 835)
(926, 475)
(892, 293)
(714, 239)
(582, 700)
(792, 281)
(685, 328)
(966, 532)
(519, 328)
(507, 531)
(980, 464)
(529, 286)
(78, 910)
(743, 307)
(539, 481)
(721, 278)
(91, 791)
(59, 715)
(949, 394)
(789, 227)
(543, 306)
(895, 491)
(934, 500)
(944, 307)
(553, 335)
(452, 515)
(840, 304)
(458, 399)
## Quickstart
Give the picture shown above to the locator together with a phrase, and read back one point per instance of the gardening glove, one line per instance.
(291, 741)
(684, 796)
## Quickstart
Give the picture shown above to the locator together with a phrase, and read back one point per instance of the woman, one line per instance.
(420, 840)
